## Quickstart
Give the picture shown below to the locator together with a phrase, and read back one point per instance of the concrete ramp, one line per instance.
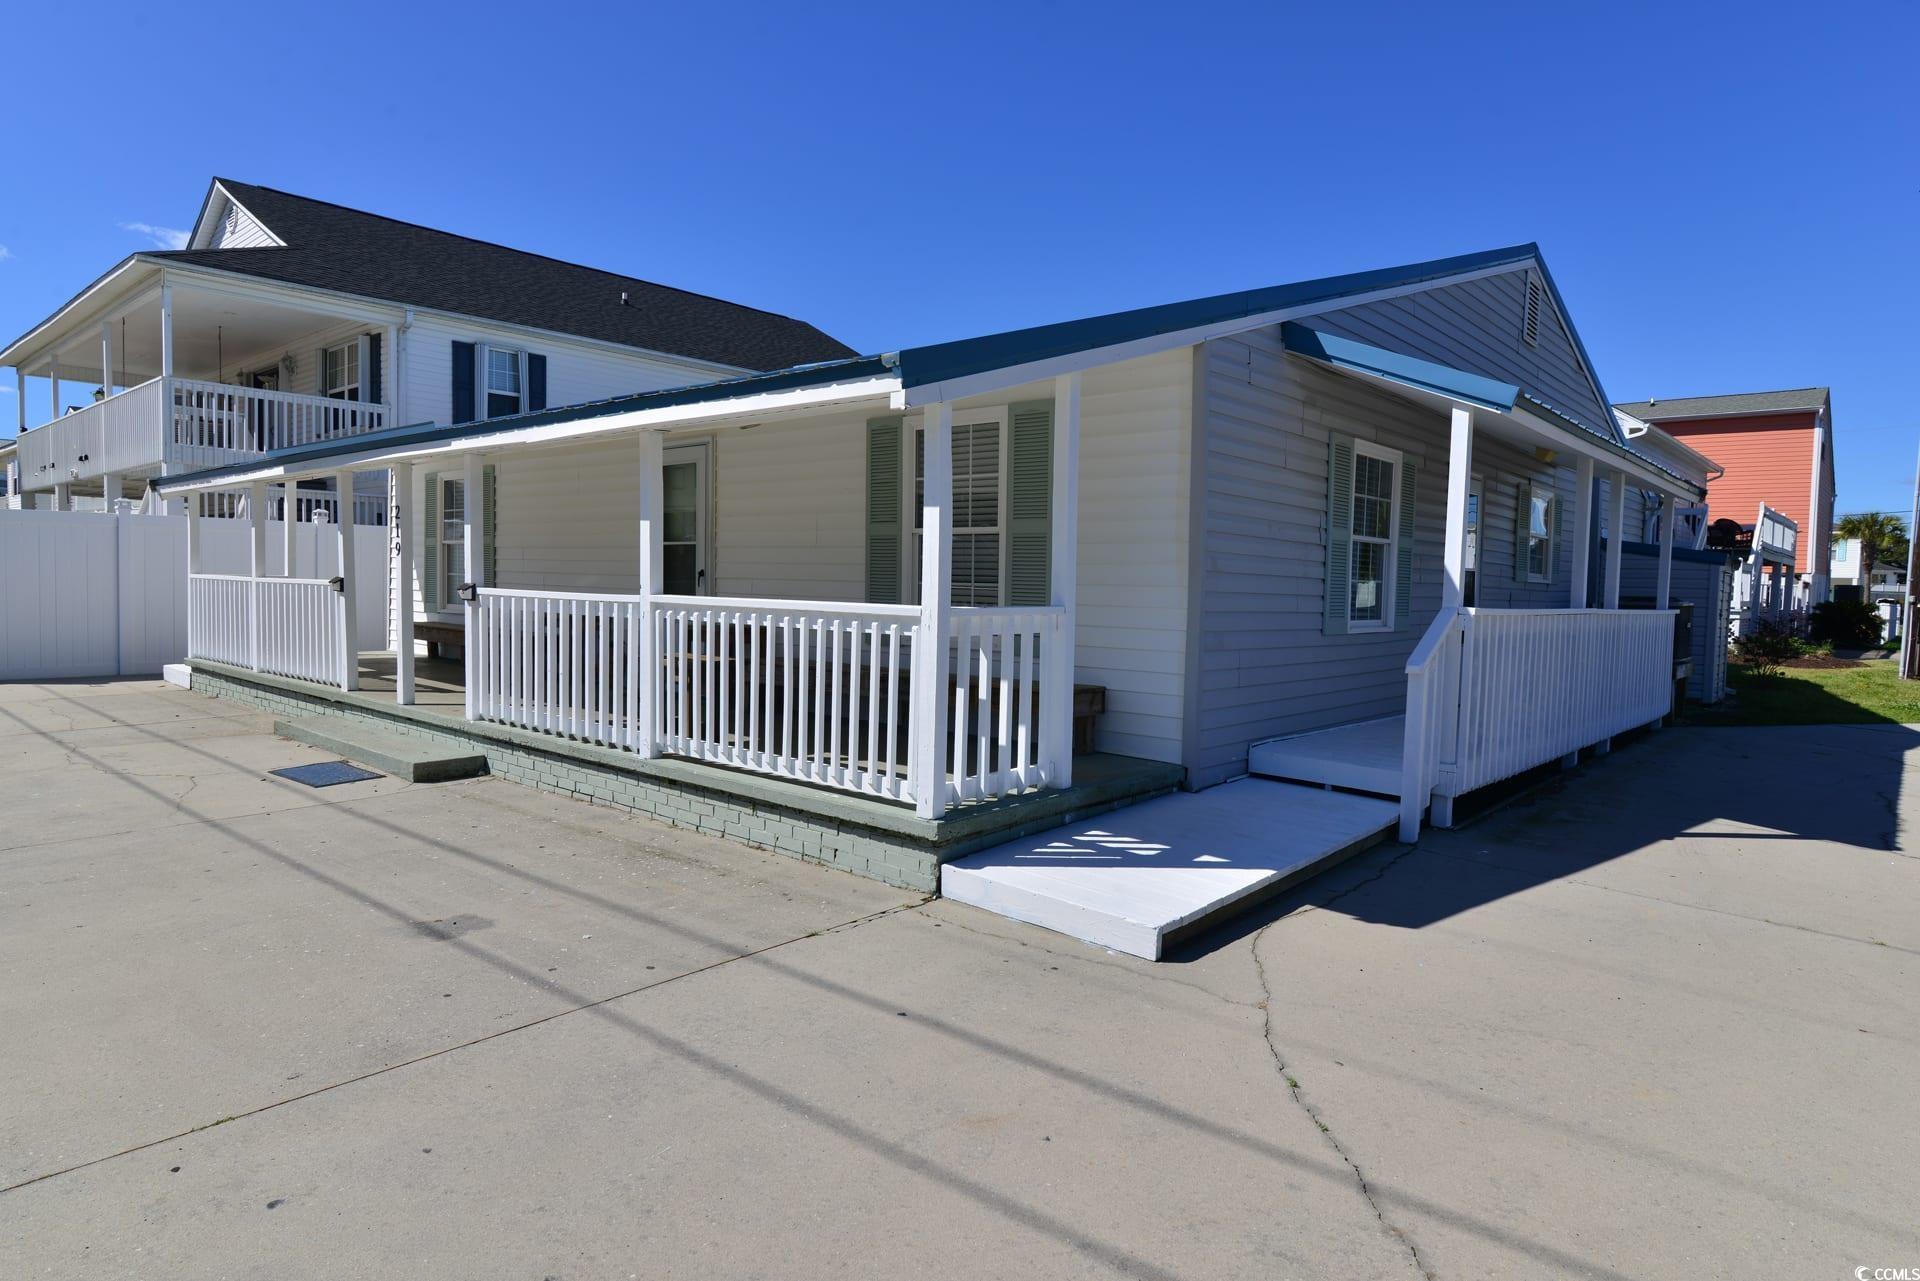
(1134, 879)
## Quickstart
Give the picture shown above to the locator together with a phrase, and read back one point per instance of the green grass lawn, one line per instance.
(1872, 693)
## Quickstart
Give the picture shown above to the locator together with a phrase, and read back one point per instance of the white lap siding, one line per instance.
(790, 510)
(1264, 666)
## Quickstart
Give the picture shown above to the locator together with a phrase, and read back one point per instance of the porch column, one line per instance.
(1580, 590)
(652, 564)
(62, 497)
(53, 383)
(193, 565)
(256, 563)
(290, 528)
(349, 616)
(930, 701)
(19, 400)
(1616, 519)
(1663, 582)
(106, 357)
(1064, 571)
(474, 503)
(109, 491)
(400, 566)
(1453, 555)
(166, 329)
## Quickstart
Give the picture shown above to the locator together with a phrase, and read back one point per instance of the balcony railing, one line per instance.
(188, 424)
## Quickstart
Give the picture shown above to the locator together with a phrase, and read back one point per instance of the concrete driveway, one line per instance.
(1658, 1021)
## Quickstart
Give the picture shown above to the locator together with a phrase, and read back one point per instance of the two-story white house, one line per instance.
(288, 321)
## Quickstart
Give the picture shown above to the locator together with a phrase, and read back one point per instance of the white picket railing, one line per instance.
(813, 691)
(1494, 692)
(1007, 674)
(220, 618)
(301, 625)
(557, 662)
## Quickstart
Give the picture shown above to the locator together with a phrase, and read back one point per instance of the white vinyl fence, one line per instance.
(87, 594)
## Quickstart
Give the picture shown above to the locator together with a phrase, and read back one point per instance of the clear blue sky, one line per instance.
(1727, 194)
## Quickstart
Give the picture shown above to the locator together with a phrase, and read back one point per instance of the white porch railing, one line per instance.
(1495, 692)
(287, 626)
(816, 692)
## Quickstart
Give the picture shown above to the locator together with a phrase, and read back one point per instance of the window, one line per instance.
(978, 499)
(503, 382)
(1475, 501)
(1372, 532)
(340, 371)
(1539, 512)
(453, 541)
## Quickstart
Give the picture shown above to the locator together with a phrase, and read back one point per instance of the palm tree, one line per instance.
(1875, 532)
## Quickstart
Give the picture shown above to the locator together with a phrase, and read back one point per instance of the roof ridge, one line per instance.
(231, 183)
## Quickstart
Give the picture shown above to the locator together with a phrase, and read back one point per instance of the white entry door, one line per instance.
(684, 534)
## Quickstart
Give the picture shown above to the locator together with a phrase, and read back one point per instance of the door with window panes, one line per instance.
(683, 538)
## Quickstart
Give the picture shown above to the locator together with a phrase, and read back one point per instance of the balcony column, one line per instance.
(192, 509)
(109, 491)
(1616, 519)
(1580, 588)
(474, 503)
(53, 383)
(1663, 582)
(19, 401)
(349, 616)
(62, 497)
(928, 770)
(256, 562)
(400, 496)
(1453, 556)
(106, 357)
(652, 569)
(166, 329)
(1063, 571)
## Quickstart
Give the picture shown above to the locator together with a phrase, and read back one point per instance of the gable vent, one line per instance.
(1530, 325)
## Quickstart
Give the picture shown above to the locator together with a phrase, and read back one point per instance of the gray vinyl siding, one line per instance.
(1476, 326)
(1264, 667)
(1709, 585)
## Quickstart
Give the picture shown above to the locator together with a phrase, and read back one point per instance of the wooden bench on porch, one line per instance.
(438, 634)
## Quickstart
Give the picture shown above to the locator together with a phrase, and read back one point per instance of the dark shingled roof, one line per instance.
(330, 247)
(1754, 402)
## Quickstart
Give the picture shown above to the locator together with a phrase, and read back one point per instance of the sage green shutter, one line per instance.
(1339, 533)
(430, 548)
(1030, 503)
(1522, 518)
(1403, 554)
(883, 509)
(489, 526)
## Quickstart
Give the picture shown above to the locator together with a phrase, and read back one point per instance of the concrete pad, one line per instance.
(411, 758)
(1132, 880)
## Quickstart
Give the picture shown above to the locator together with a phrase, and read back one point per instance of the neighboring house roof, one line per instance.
(331, 247)
(940, 371)
(1753, 403)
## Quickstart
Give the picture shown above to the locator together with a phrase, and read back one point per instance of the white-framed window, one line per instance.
(504, 381)
(1476, 504)
(1539, 514)
(453, 539)
(979, 507)
(340, 371)
(1373, 534)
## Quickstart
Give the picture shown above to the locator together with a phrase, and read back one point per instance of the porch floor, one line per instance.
(1136, 881)
(1364, 756)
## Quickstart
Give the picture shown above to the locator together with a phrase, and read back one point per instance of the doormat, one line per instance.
(325, 774)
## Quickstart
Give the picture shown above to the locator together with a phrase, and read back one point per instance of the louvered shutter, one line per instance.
(430, 548)
(1030, 503)
(370, 376)
(1522, 518)
(463, 382)
(883, 510)
(1339, 534)
(489, 527)
(536, 381)
(1403, 554)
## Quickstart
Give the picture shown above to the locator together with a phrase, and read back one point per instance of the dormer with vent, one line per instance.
(225, 223)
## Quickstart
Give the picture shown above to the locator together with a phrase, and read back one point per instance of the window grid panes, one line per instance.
(1540, 537)
(503, 382)
(1372, 536)
(453, 541)
(340, 372)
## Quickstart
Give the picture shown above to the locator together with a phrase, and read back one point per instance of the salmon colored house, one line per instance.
(1775, 447)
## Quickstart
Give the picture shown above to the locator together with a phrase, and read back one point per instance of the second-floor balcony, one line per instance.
(183, 424)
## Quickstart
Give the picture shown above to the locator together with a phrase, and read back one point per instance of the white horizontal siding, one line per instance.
(790, 510)
(238, 229)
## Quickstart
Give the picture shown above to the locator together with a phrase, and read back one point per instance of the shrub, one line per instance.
(1850, 624)
(1763, 650)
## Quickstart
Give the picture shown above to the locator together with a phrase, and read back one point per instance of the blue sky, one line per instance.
(1727, 194)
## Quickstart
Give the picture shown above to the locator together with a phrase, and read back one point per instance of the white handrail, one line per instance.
(1427, 714)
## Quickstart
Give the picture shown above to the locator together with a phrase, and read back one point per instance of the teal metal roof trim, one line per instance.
(1349, 353)
(921, 366)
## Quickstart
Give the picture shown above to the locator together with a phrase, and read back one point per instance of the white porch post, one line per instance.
(1663, 582)
(20, 400)
(1453, 556)
(106, 357)
(929, 765)
(1580, 590)
(400, 492)
(290, 526)
(652, 563)
(473, 504)
(193, 566)
(1064, 571)
(53, 385)
(349, 615)
(62, 497)
(166, 329)
(1616, 519)
(109, 491)
(256, 563)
